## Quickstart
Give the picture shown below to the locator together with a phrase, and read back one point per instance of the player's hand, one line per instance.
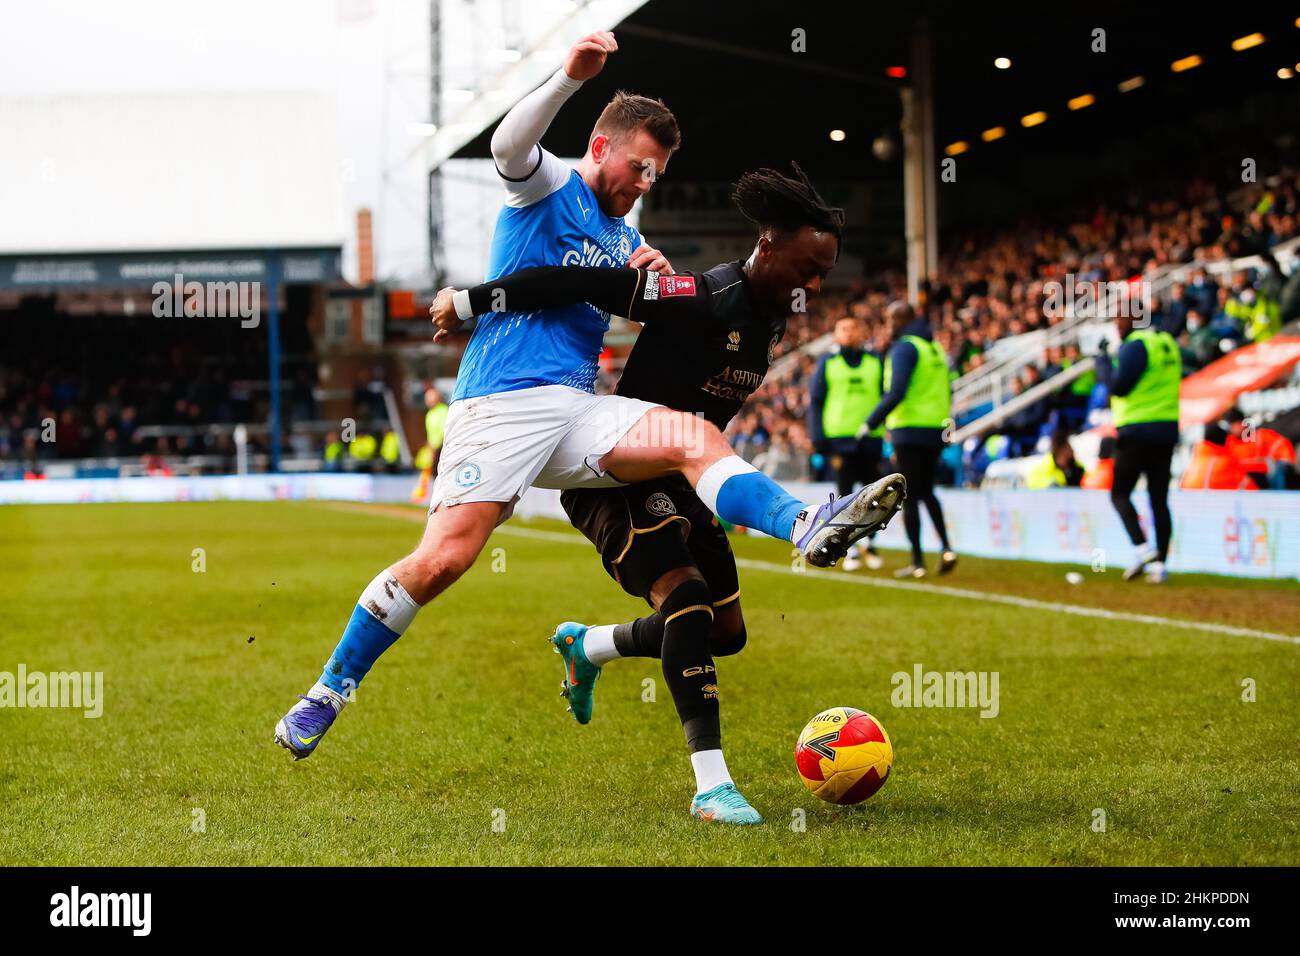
(443, 314)
(587, 58)
(652, 260)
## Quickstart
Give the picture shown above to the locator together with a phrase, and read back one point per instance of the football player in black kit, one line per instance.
(707, 342)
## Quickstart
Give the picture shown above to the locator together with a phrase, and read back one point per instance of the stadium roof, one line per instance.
(169, 173)
(745, 98)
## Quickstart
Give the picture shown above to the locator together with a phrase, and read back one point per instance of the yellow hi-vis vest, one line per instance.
(928, 402)
(1043, 473)
(1265, 320)
(1155, 396)
(390, 449)
(851, 394)
(363, 447)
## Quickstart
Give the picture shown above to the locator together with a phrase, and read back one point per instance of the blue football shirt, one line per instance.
(558, 346)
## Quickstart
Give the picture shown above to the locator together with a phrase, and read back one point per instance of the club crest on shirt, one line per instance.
(625, 246)
(660, 504)
(468, 475)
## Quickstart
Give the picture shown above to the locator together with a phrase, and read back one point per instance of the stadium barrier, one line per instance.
(265, 487)
(1244, 534)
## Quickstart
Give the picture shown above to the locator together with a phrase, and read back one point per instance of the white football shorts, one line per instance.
(551, 436)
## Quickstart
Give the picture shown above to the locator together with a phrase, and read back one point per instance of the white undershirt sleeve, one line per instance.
(531, 173)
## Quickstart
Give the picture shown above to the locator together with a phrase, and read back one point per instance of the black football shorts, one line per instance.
(645, 530)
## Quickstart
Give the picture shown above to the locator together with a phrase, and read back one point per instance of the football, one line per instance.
(843, 755)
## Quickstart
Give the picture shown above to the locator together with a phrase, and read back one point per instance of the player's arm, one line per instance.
(1132, 363)
(531, 173)
(902, 360)
(632, 293)
(816, 399)
(544, 287)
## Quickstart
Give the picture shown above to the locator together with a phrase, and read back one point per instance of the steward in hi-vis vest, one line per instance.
(845, 388)
(916, 409)
(1143, 383)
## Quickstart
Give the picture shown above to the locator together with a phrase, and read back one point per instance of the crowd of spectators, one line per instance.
(100, 388)
(988, 290)
(97, 391)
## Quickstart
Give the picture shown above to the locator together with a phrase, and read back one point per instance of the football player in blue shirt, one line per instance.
(524, 413)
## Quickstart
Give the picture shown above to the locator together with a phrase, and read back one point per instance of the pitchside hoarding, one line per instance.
(1245, 534)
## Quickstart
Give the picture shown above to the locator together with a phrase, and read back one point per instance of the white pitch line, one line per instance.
(946, 591)
(573, 538)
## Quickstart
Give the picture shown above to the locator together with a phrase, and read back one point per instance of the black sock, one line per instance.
(688, 664)
(643, 637)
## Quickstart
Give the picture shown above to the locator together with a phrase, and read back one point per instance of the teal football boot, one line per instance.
(724, 804)
(580, 674)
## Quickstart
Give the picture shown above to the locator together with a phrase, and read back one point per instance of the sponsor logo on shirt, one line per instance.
(733, 383)
(733, 340)
(590, 256)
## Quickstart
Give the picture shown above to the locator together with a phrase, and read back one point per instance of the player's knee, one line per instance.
(669, 581)
(728, 636)
(692, 439)
(728, 639)
(690, 596)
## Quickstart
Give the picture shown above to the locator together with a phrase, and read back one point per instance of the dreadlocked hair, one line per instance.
(771, 199)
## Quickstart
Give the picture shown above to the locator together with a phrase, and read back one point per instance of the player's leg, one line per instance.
(621, 521)
(495, 445)
(664, 441)
(1157, 473)
(844, 464)
(453, 538)
(948, 558)
(911, 462)
(644, 637)
(684, 601)
(870, 451)
(1128, 468)
(710, 552)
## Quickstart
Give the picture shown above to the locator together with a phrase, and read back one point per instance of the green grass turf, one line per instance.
(462, 717)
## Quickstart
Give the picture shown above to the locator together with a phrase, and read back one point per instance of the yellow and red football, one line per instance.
(843, 755)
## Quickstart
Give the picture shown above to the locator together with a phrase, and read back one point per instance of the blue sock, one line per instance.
(756, 501)
(383, 612)
(363, 640)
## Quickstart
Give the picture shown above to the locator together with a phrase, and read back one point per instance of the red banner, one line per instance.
(1207, 394)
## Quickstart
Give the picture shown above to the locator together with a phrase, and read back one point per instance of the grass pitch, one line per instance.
(460, 726)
